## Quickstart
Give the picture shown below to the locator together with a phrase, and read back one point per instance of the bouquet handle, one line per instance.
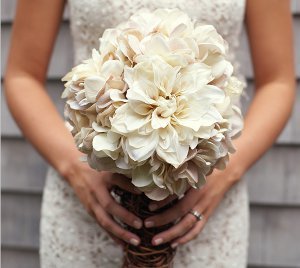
(145, 255)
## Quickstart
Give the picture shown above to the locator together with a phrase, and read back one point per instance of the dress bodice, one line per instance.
(89, 18)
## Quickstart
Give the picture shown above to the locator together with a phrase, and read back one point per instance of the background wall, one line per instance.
(274, 182)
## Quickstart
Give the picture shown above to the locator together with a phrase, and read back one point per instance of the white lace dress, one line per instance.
(69, 237)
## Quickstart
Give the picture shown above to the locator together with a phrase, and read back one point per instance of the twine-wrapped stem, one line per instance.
(145, 255)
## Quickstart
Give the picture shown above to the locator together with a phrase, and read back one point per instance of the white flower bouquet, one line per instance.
(156, 102)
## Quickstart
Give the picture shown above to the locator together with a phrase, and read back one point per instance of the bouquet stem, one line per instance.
(145, 255)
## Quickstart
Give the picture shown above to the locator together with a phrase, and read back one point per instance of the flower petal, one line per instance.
(159, 121)
(141, 147)
(158, 194)
(141, 176)
(93, 85)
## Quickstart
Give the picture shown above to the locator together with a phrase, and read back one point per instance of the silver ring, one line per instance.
(197, 214)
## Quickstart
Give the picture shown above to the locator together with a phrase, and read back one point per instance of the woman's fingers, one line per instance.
(155, 205)
(195, 231)
(185, 224)
(113, 208)
(175, 212)
(117, 240)
(124, 215)
(124, 183)
(190, 235)
(111, 226)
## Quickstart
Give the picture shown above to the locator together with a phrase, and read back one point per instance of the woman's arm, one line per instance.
(270, 32)
(35, 27)
(34, 31)
(269, 26)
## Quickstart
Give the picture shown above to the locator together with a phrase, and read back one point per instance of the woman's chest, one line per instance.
(92, 17)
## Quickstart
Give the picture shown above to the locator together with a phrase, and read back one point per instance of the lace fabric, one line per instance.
(69, 236)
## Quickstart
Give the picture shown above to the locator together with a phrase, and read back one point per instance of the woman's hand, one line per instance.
(93, 189)
(204, 200)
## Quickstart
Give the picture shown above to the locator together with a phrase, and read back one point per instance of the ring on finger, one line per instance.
(197, 214)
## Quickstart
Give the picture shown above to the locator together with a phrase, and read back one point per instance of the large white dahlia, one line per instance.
(156, 102)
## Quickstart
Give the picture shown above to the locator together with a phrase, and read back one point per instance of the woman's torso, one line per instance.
(69, 236)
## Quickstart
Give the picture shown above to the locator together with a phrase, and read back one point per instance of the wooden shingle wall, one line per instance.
(274, 182)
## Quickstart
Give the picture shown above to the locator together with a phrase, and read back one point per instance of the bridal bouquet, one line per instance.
(156, 102)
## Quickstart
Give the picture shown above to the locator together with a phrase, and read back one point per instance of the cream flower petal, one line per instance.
(134, 121)
(155, 45)
(99, 128)
(141, 147)
(123, 164)
(112, 67)
(126, 49)
(164, 75)
(211, 116)
(172, 19)
(158, 194)
(169, 149)
(178, 30)
(144, 21)
(237, 122)
(141, 176)
(192, 173)
(117, 84)
(101, 142)
(193, 77)
(177, 44)
(107, 164)
(207, 37)
(108, 42)
(134, 43)
(140, 108)
(139, 141)
(106, 144)
(211, 94)
(158, 179)
(116, 95)
(179, 187)
(97, 59)
(234, 88)
(104, 100)
(93, 85)
(159, 121)
(125, 120)
(177, 60)
(148, 95)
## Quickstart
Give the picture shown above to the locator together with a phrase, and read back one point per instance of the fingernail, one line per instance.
(174, 245)
(137, 224)
(149, 224)
(153, 207)
(134, 241)
(158, 241)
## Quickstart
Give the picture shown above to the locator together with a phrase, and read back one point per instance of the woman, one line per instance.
(77, 205)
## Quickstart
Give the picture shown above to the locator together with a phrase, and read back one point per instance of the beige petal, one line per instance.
(141, 176)
(158, 194)
(93, 85)
(159, 121)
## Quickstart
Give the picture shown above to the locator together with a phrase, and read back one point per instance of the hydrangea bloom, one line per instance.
(156, 102)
